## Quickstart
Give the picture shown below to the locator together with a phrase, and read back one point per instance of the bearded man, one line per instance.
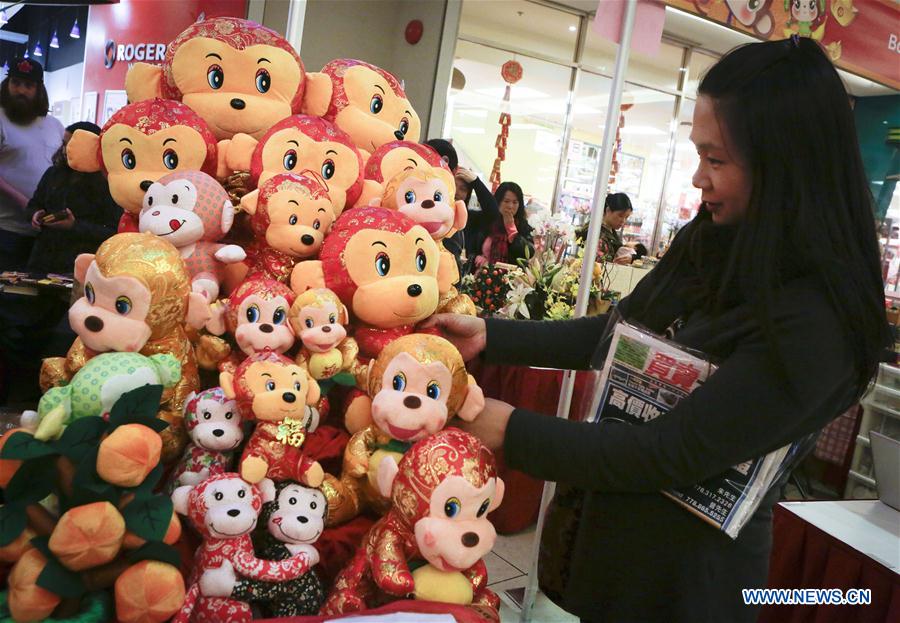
(28, 140)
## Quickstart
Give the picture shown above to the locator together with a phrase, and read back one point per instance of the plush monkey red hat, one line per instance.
(391, 158)
(243, 393)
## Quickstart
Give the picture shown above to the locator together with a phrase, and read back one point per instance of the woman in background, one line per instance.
(616, 211)
(507, 238)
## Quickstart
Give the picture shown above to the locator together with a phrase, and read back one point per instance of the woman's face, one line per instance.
(510, 204)
(722, 176)
(616, 220)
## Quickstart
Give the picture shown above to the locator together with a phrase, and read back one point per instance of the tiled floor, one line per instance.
(508, 567)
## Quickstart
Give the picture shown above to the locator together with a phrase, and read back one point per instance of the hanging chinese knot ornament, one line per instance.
(614, 165)
(511, 73)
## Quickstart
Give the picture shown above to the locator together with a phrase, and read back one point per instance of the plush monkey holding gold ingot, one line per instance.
(319, 319)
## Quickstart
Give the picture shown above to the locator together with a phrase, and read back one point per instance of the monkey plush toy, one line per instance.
(416, 383)
(319, 319)
(364, 101)
(141, 143)
(278, 394)
(137, 298)
(224, 509)
(392, 158)
(431, 542)
(290, 216)
(191, 210)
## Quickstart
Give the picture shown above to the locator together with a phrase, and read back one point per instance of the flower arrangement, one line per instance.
(488, 287)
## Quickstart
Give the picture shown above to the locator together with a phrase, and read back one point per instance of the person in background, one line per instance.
(508, 238)
(72, 212)
(462, 243)
(778, 278)
(28, 139)
(616, 211)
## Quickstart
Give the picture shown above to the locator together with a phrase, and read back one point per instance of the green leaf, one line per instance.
(32, 482)
(24, 446)
(139, 406)
(155, 550)
(344, 378)
(81, 436)
(88, 487)
(61, 581)
(149, 517)
(12, 521)
(146, 488)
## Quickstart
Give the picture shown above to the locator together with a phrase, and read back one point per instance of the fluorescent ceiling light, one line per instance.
(642, 130)
(481, 113)
(467, 130)
(527, 126)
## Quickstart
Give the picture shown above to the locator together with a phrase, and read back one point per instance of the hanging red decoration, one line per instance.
(511, 72)
(617, 147)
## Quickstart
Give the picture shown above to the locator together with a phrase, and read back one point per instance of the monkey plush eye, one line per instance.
(292, 501)
(228, 415)
(309, 323)
(404, 126)
(218, 495)
(399, 382)
(293, 219)
(207, 415)
(438, 196)
(297, 386)
(270, 385)
(128, 159)
(253, 313)
(433, 390)
(452, 507)
(242, 494)
(263, 81)
(409, 197)
(215, 76)
(332, 318)
(317, 224)
(279, 316)
(89, 293)
(421, 260)
(376, 104)
(313, 505)
(174, 200)
(328, 169)
(290, 160)
(483, 508)
(170, 159)
(123, 305)
(382, 263)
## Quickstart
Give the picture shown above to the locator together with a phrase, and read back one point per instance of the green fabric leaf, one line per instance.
(344, 378)
(395, 445)
(81, 436)
(61, 581)
(88, 487)
(155, 550)
(12, 521)
(149, 517)
(146, 488)
(139, 406)
(32, 482)
(24, 446)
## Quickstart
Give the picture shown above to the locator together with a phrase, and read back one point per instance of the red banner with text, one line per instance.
(860, 36)
(119, 35)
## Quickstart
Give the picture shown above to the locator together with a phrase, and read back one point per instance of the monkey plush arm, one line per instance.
(481, 596)
(358, 451)
(388, 562)
(249, 566)
(350, 351)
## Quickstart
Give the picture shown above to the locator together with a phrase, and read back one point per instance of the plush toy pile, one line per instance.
(248, 424)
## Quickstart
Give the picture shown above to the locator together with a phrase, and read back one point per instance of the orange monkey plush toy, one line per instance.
(141, 143)
(392, 158)
(319, 319)
(236, 74)
(364, 101)
(290, 216)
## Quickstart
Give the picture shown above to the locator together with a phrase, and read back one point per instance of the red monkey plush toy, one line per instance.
(141, 143)
(441, 494)
(392, 158)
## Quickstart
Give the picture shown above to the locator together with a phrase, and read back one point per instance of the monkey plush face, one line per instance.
(396, 156)
(426, 196)
(297, 515)
(301, 143)
(412, 402)
(257, 316)
(223, 506)
(318, 318)
(213, 421)
(184, 208)
(269, 386)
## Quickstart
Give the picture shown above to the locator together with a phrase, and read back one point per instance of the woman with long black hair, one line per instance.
(506, 237)
(778, 278)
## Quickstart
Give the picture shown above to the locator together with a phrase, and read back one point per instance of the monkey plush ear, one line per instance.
(226, 382)
(317, 98)
(198, 313)
(370, 189)
(83, 152)
(345, 315)
(216, 323)
(313, 393)
(306, 275)
(250, 201)
(375, 202)
(387, 471)
(267, 490)
(460, 215)
(82, 263)
(498, 495)
(227, 216)
(473, 403)
(181, 498)
(143, 82)
(448, 272)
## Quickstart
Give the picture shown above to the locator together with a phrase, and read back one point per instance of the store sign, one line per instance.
(860, 36)
(129, 52)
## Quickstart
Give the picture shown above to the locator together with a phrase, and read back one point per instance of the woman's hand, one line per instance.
(36, 219)
(66, 223)
(490, 425)
(465, 175)
(467, 333)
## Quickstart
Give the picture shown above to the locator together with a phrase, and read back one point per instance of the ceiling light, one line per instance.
(573, 28)
(54, 41)
(3, 19)
(642, 130)
(26, 52)
(37, 49)
(467, 130)
(75, 33)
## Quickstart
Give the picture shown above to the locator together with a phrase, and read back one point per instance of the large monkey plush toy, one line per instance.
(392, 158)
(432, 540)
(137, 298)
(364, 101)
(141, 143)
(238, 75)
(416, 383)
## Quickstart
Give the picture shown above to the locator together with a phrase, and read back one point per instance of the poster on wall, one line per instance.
(860, 36)
(113, 100)
(89, 107)
(74, 110)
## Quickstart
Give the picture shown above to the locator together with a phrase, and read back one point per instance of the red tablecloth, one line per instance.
(536, 390)
(803, 556)
(462, 614)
